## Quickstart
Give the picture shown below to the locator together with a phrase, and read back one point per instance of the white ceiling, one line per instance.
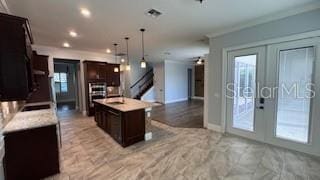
(181, 30)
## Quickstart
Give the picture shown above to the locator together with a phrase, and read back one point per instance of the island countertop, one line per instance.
(128, 105)
(31, 119)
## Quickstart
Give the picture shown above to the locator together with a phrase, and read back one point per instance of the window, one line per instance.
(61, 82)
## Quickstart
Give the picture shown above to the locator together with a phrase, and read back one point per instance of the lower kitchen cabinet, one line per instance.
(126, 128)
(31, 154)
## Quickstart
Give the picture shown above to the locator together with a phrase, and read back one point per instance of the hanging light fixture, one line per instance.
(116, 69)
(128, 65)
(143, 62)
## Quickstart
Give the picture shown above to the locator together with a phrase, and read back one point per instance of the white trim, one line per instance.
(265, 19)
(4, 4)
(206, 94)
(214, 127)
(295, 37)
(180, 62)
(176, 100)
(197, 97)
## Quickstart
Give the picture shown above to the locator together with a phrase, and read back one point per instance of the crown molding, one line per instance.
(3, 4)
(179, 62)
(265, 19)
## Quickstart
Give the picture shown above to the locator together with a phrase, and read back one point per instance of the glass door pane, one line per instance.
(294, 94)
(244, 91)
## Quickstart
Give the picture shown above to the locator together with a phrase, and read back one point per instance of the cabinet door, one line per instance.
(113, 78)
(102, 68)
(13, 77)
(115, 125)
(106, 121)
(92, 71)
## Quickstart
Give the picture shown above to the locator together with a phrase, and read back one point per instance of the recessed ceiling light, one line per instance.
(73, 34)
(108, 51)
(66, 45)
(123, 60)
(85, 12)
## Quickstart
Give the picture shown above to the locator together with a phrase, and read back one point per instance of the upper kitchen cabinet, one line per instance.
(113, 78)
(41, 79)
(95, 71)
(16, 75)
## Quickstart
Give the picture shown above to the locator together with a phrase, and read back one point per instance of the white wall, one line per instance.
(149, 96)
(62, 53)
(133, 75)
(304, 22)
(176, 80)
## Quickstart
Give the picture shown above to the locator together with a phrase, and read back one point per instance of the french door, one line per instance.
(244, 109)
(273, 94)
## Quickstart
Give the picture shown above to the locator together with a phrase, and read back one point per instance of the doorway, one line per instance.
(66, 85)
(189, 84)
(271, 94)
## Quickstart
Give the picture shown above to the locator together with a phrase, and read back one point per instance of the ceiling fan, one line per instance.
(200, 1)
(197, 60)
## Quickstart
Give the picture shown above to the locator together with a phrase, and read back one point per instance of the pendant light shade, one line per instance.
(116, 69)
(143, 62)
(128, 68)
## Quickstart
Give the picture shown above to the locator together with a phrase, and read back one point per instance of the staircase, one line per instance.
(140, 87)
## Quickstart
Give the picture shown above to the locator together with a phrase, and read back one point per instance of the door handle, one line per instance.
(260, 107)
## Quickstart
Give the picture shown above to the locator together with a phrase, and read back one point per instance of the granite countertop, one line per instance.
(31, 119)
(129, 104)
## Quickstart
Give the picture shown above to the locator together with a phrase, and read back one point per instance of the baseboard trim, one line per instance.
(214, 127)
(176, 100)
(198, 97)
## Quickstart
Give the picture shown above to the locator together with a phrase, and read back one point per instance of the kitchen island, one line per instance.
(122, 118)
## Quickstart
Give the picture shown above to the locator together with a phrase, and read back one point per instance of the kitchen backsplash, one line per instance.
(113, 90)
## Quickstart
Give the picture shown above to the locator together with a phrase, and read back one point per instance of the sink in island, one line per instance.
(122, 118)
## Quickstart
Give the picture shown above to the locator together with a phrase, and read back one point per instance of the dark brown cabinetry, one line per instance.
(126, 128)
(95, 71)
(16, 75)
(41, 79)
(199, 80)
(31, 154)
(99, 72)
(113, 78)
(102, 72)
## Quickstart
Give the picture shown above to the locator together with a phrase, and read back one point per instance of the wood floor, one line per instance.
(186, 114)
(66, 106)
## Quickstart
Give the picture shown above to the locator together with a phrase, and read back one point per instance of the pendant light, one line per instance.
(128, 64)
(143, 62)
(116, 69)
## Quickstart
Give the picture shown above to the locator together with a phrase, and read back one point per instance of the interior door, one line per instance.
(159, 82)
(292, 111)
(244, 81)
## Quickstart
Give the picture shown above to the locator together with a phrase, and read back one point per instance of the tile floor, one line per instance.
(175, 153)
